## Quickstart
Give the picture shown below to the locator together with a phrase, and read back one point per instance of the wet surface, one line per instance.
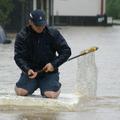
(91, 109)
(104, 106)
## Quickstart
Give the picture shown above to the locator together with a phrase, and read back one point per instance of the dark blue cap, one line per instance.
(38, 17)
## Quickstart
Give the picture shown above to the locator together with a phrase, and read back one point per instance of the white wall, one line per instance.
(77, 7)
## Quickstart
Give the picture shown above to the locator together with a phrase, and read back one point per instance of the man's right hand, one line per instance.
(32, 74)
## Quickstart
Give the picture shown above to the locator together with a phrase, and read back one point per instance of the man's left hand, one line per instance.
(48, 68)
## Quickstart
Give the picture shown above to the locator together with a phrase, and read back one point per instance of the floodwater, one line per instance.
(104, 106)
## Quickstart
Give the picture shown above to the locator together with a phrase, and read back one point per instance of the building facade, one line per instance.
(79, 12)
(74, 12)
(60, 12)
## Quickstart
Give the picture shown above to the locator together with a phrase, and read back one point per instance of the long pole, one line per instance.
(84, 52)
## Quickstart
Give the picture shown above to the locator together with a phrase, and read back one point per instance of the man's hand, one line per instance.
(32, 74)
(48, 68)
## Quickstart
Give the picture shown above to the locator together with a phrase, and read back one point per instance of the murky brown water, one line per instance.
(104, 106)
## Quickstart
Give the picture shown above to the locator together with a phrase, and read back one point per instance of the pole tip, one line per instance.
(92, 49)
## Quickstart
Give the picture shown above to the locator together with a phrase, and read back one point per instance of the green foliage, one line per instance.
(113, 8)
(6, 6)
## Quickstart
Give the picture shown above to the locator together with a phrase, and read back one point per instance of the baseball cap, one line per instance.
(38, 17)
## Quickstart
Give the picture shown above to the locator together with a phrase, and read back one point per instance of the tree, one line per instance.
(6, 6)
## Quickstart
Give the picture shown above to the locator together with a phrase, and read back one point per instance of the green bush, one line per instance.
(113, 8)
(6, 6)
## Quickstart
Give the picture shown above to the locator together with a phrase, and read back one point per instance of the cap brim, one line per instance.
(41, 23)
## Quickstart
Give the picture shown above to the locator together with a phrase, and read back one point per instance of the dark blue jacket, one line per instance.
(34, 50)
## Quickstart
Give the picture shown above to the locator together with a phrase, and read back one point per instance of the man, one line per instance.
(35, 50)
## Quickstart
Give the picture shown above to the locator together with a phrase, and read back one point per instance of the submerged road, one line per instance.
(105, 106)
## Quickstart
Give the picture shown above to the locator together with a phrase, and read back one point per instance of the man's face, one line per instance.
(36, 28)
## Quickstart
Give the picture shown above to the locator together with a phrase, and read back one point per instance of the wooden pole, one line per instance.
(102, 7)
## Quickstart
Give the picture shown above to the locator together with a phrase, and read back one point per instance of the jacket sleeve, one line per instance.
(20, 53)
(62, 49)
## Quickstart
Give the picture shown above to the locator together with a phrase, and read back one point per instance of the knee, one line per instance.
(51, 94)
(21, 91)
